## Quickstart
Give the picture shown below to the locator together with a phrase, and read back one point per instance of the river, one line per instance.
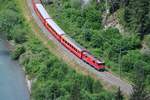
(12, 78)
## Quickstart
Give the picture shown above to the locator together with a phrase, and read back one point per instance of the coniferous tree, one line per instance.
(47, 1)
(137, 16)
(75, 91)
(139, 92)
(119, 95)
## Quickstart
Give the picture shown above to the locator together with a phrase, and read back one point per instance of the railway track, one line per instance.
(106, 77)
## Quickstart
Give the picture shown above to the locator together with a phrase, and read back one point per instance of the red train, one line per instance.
(65, 40)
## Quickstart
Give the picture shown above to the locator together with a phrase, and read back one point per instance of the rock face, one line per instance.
(85, 2)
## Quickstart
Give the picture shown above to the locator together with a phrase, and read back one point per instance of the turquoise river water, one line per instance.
(12, 78)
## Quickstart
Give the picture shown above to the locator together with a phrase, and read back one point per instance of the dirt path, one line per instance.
(108, 79)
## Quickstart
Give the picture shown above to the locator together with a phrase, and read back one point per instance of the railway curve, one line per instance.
(106, 77)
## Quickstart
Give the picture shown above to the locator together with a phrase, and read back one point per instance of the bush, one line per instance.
(18, 33)
(128, 61)
(8, 19)
(76, 4)
(17, 52)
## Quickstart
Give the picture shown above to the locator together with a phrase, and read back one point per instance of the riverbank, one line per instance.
(29, 83)
(12, 77)
(11, 46)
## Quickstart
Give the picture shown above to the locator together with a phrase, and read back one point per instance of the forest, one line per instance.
(124, 53)
(52, 78)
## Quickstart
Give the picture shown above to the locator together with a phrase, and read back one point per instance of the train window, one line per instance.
(86, 56)
(98, 63)
(74, 48)
(47, 24)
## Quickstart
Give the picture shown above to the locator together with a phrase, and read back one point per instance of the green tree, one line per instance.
(47, 1)
(75, 91)
(18, 33)
(129, 60)
(87, 35)
(76, 4)
(17, 52)
(8, 19)
(49, 91)
(115, 5)
(139, 89)
(119, 95)
(137, 16)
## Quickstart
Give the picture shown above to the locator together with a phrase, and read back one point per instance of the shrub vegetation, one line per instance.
(84, 24)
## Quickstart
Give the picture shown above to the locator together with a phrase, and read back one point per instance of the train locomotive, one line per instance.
(65, 40)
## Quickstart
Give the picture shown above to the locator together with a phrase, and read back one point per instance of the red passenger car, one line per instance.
(74, 47)
(54, 29)
(97, 64)
(68, 42)
(41, 12)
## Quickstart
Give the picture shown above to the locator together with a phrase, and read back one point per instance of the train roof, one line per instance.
(73, 43)
(55, 26)
(42, 10)
(98, 60)
(94, 58)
